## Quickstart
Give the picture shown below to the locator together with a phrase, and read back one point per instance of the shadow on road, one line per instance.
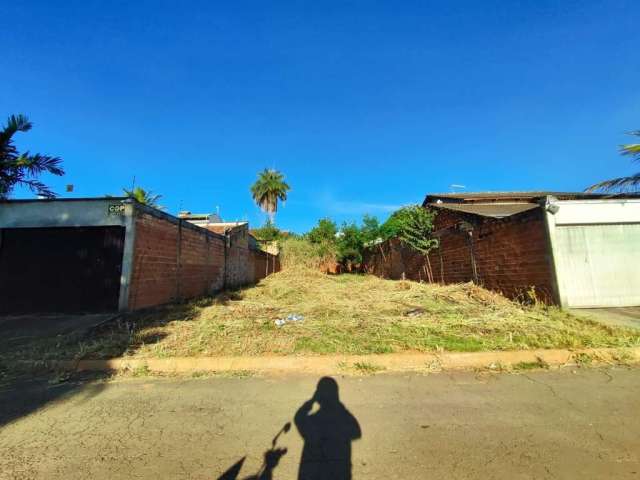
(40, 337)
(327, 428)
(23, 394)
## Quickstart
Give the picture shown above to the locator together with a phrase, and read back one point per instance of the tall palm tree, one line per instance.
(630, 183)
(145, 197)
(268, 189)
(23, 168)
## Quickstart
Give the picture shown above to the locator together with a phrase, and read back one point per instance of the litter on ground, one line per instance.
(292, 317)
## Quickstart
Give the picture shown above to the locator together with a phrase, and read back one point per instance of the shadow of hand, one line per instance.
(272, 457)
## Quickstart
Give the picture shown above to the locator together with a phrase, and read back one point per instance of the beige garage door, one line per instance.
(599, 265)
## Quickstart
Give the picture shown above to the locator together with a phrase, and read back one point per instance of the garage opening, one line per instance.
(60, 270)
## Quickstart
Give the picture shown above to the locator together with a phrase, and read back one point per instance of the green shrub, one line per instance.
(300, 252)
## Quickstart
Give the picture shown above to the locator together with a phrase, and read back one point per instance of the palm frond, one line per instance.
(15, 123)
(22, 168)
(37, 187)
(622, 184)
(36, 164)
(632, 149)
(145, 197)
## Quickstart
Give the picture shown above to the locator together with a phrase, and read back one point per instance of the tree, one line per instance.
(323, 238)
(268, 232)
(413, 226)
(325, 231)
(371, 230)
(349, 245)
(145, 197)
(23, 168)
(631, 183)
(268, 189)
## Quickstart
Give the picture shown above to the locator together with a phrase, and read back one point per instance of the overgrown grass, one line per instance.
(346, 314)
(299, 254)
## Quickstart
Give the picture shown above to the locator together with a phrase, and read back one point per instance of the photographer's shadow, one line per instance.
(327, 432)
(327, 429)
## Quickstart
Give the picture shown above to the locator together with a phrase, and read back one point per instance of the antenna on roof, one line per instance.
(453, 187)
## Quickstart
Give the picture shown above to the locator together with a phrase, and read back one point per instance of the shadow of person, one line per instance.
(327, 433)
(271, 459)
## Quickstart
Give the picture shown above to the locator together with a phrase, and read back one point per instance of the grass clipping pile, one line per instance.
(361, 314)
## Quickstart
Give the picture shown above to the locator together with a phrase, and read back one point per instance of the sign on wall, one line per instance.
(116, 209)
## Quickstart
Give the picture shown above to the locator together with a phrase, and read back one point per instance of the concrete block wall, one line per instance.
(511, 255)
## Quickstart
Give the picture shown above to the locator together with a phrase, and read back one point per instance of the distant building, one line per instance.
(200, 219)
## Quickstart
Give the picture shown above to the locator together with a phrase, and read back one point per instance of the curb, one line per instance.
(341, 364)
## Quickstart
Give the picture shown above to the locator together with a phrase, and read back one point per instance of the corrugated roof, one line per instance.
(493, 210)
(486, 197)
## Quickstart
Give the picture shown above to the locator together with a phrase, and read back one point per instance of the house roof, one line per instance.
(493, 210)
(522, 197)
(204, 217)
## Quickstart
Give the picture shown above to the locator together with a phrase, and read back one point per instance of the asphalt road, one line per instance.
(582, 423)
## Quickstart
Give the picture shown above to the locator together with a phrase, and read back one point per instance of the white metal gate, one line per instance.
(598, 265)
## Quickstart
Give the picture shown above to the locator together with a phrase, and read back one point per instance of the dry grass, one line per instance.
(359, 314)
(351, 314)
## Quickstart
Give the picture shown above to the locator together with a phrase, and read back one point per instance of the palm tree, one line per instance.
(268, 189)
(23, 168)
(631, 183)
(145, 197)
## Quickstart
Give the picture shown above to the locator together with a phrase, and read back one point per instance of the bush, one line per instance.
(412, 225)
(297, 252)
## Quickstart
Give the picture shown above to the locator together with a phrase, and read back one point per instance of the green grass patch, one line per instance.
(538, 364)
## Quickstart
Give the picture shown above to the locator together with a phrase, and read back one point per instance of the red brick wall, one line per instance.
(175, 261)
(263, 264)
(165, 270)
(511, 255)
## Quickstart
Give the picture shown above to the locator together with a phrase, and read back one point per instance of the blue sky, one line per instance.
(365, 106)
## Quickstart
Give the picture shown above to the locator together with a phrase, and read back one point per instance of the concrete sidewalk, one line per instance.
(18, 327)
(568, 423)
(616, 317)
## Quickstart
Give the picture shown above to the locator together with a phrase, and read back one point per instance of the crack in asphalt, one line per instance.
(553, 392)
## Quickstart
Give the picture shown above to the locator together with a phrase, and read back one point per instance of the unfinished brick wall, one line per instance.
(172, 261)
(264, 264)
(239, 269)
(511, 255)
(175, 260)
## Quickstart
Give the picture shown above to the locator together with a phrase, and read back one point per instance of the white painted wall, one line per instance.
(586, 212)
(596, 251)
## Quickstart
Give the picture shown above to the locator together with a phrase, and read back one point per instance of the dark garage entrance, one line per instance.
(60, 270)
